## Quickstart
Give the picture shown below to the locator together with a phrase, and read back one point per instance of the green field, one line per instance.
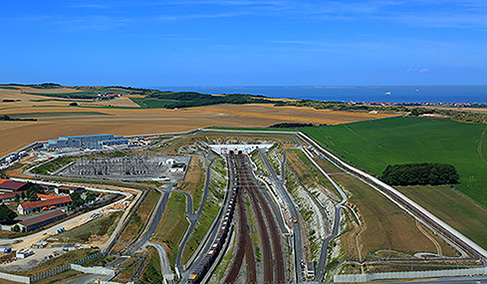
(151, 102)
(372, 145)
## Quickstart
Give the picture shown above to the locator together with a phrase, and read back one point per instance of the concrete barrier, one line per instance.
(15, 278)
(93, 270)
(409, 274)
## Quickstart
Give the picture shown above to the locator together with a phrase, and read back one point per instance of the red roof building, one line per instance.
(40, 221)
(8, 196)
(38, 206)
(10, 185)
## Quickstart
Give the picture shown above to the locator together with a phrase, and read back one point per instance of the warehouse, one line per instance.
(10, 185)
(8, 196)
(40, 221)
(85, 141)
(43, 205)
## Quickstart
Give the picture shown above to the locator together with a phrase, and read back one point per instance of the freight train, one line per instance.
(210, 257)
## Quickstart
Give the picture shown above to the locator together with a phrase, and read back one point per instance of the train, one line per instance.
(207, 261)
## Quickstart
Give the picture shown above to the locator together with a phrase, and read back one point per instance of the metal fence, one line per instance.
(409, 274)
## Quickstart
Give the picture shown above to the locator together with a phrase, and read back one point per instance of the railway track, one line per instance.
(273, 264)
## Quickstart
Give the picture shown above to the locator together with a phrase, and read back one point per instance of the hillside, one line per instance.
(145, 98)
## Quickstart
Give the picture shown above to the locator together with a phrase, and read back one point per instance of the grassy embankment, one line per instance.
(216, 193)
(53, 166)
(373, 145)
(152, 272)
(99, 227)
(172, 225)
(195, 181)
(138, 220)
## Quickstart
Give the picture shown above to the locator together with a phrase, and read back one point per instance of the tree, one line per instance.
(6, 214)
(77, 200)
(90, 197)
(17, 197)
(22, 195)
(16, 228)
(32, 196)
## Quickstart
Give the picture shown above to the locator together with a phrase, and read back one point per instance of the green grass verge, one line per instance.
(53, 166)
(172, 225)
(373, 145)
(210, 210)
(98, 227)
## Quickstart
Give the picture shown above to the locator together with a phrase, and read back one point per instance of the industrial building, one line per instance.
(8, 196)
(85, 141)
(68, 190)
(43, 205)
(40, 221)
(7, 185)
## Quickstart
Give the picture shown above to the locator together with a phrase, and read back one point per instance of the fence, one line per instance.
(409, 274)
(15, 278)
(60, 269)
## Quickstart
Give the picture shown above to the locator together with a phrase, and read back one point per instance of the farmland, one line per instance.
(121, 116)
(373, 145)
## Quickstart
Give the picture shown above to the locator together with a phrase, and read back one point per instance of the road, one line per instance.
(88, 278)
(165, 266)
(155, 221)
(320, 270)
(193, 218)
(298, 243)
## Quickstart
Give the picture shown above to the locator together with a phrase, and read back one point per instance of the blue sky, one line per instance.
(244, 43)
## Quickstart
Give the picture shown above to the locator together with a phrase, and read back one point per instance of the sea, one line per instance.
(397, 94)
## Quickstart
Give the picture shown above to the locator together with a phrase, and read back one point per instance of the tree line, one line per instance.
(193, 99)
(9, 118)
(420, 174)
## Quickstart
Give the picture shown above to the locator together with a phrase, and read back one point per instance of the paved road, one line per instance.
(155, 221)
(320, 271)
(298, 243)
(165, 266)
(193, 218)
(84, 279)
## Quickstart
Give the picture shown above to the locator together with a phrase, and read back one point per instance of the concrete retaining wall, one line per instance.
(409, 274)
(15, 278)
(93, 270)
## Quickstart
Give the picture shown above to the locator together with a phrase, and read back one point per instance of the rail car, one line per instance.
(201, 270)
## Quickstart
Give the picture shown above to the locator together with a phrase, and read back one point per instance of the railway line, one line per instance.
(273, 264)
